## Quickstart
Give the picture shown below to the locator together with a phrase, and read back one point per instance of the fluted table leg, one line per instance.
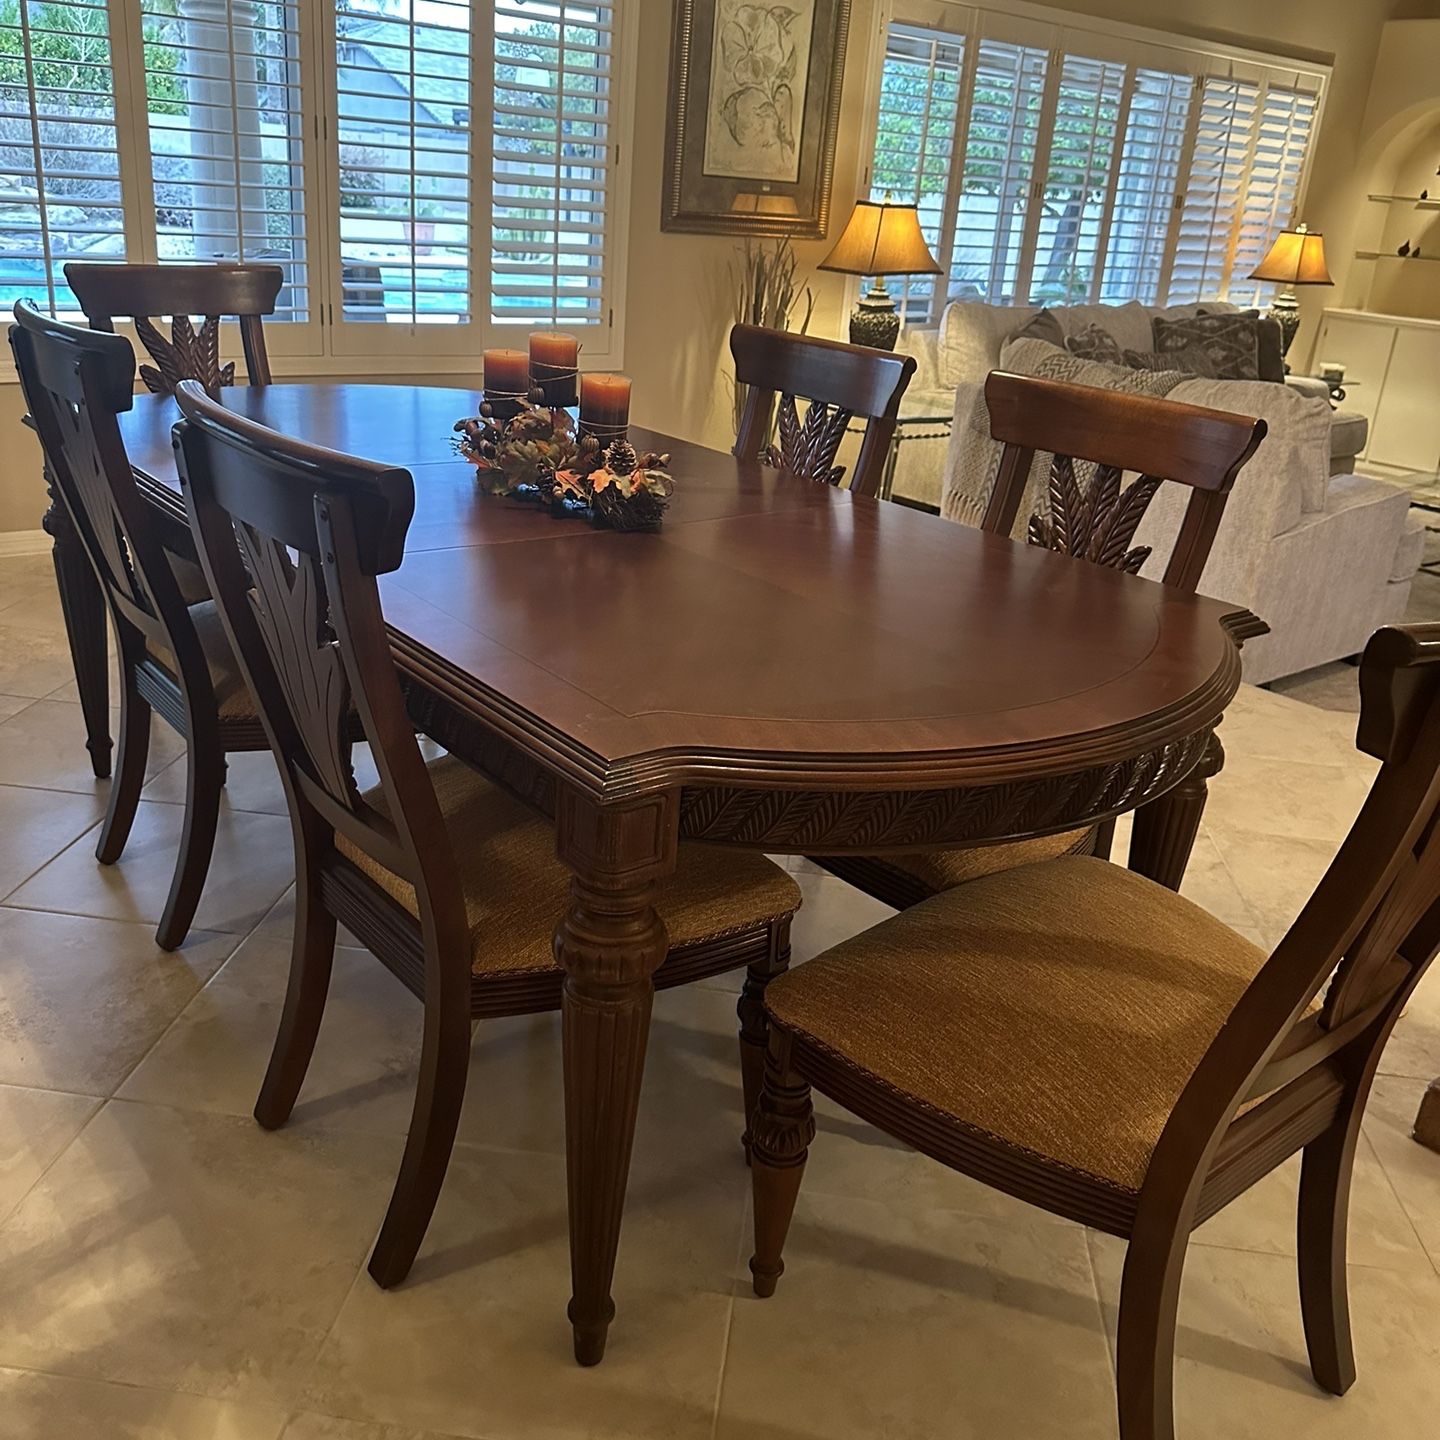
(610, 942)
(1165, 829)
(83, 607)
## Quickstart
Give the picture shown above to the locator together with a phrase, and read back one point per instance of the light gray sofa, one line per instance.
(1323, 556)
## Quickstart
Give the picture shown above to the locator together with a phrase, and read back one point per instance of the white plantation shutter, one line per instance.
(432, 176)
(997, 170)
(1084, 163)
(915, 147)
(222, 88)
(1220, 160)
(1146, 185)
(551, 162)
(403, 156)
(60, 187)
(1075, 200)
(1251, 145)
(1285, 123)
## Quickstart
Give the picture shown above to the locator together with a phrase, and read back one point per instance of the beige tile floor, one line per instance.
(169, 1271)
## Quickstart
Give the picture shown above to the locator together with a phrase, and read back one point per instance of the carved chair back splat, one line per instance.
(142, 292)
(76, 383)
(292, 538)
(841, 382)
(1114, 433)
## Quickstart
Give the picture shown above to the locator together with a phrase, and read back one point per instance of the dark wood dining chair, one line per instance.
(1090, 1042)
(173, 657)
(451, 881)
(145, 293)
(840, 382)
(1093, 437)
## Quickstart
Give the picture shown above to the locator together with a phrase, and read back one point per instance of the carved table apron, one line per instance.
(780, 667)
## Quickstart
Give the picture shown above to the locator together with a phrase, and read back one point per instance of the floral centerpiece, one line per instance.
(536, 456)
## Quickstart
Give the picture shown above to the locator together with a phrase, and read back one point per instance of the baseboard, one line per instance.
(24, 542)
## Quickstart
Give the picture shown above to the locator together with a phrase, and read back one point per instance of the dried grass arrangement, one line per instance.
(768, 292)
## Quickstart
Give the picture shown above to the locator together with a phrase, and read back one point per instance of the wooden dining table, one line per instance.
(782, 666)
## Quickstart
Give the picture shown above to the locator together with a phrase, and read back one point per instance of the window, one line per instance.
(485, 219)
(1057, 165)
(915, 139)
(997, 170)
(60, 196)
(432, 175)
(550, 163)
(1076, 198)
(403, 134)
(1146, 182)
(224, 125)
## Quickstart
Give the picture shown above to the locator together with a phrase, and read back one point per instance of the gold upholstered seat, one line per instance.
(232, 695)
(909, 878)
(1060, 1012)
(516, 889)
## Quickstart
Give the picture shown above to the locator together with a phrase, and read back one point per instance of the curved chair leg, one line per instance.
(129, 770)
(311, 957)
(1321, 1234)
(444, 1061)
(1145, 1339)
(754, 1027)
(204, 765)
(783, 1127)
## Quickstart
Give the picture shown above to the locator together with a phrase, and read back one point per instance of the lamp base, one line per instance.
(1285, 311)
(874, 321)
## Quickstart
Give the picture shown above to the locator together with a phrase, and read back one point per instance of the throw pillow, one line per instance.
(1271, 349)
(973, 462)
(1043, 326)
(1231, 342)
(1049, 362)
(1269, 338)
(1093, 343)
(1192, 360)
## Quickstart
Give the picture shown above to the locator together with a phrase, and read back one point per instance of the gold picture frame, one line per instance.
(754, 109)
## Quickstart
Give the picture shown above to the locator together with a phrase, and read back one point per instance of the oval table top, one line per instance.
(774, 632)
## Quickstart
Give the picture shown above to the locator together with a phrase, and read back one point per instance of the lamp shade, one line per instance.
(882, 239)
(1296, 258)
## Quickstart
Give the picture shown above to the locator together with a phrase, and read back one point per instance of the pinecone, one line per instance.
(620, 458)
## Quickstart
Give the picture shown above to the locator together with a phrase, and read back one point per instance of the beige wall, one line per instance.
(678, 304)
(22, 492)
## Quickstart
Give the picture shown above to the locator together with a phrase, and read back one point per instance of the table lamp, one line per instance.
(1296, 258)
(881, 239)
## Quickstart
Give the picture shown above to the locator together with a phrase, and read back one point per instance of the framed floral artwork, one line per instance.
(754, 105)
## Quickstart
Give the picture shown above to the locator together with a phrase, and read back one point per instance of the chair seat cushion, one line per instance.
(944, 869)
(1059, 1008)
(232, 694)
(516, 889)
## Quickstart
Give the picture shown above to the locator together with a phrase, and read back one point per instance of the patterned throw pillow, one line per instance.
(1048, 362)
(1193, 360)
(1231, 341)
(1093, 343)
(1042, 326)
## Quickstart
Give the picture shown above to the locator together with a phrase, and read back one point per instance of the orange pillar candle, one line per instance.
(507, 373)
(605, 404)
(554, 360)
